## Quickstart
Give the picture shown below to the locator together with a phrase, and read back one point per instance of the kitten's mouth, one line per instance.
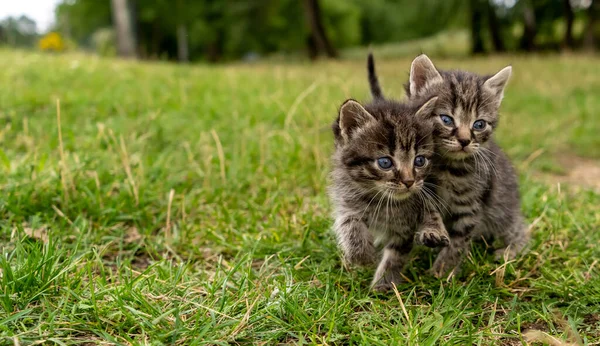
(457, 152)
(401, 193)
(453, 150)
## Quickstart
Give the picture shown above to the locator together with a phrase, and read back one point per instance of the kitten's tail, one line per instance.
(373, 80)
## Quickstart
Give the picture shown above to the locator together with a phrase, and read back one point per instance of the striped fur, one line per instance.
(376, 92)
(374, 206)
(474, 177)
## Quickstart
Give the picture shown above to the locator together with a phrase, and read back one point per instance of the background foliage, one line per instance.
(233, 29)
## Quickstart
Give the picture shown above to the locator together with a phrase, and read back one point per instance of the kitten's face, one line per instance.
(467, 110)
(384, 148)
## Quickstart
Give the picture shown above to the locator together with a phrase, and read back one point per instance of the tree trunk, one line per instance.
(589, 36)
(476, 27)
(494, 26)
(123, 28)
(311, 48)
(567, 43)
(315, 21)
(182, 44)
(214, 51)
(530, 30)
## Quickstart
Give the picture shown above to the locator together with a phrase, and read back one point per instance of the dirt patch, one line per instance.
(591, 319)
(580, 171)
(141, 260)
(591, 324)
(535, 326)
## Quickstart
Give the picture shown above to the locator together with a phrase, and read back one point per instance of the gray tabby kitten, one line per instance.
(475, 178)
(382, 157)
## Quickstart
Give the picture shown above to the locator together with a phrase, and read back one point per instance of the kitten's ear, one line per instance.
(427, 108)
(496, 83)
(352, 116)
(422, 75)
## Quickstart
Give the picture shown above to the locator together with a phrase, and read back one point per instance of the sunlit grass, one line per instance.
(188, 206)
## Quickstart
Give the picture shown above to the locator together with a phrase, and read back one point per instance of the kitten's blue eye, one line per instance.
(479, 125)
(384, 162)
(447, 120)
(420, 161)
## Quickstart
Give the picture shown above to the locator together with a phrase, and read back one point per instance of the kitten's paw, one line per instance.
(431, 238)
(435, 273)
(360, 257)
(438, 269)
(386, 283)
(383, 287)
(442, 272)
(446, 265)
(505, 254)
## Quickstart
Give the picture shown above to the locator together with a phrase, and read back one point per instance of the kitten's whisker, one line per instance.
(439, 202)
(484, 169)
(377, 207)
(368, 204)
(487, 150)
(387, 206)
(476, 162)
(432, 184)
(490, 164)
(438, 198)
(482, 162)
(422, 198)
(430, 202)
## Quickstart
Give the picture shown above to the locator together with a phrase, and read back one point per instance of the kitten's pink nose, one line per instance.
(408, 183)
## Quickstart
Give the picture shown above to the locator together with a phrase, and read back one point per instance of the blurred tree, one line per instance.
(104, 42)
(592, 26)
(477, 12)
(183, 50)
(216, 19)
(19, 31)
(122, 20)
(160, 34)
(384, 21)
(79, 19)
(529, 27)
(232, 29)
(341, 20)
(494, 27)
(318, 41)
(568, 41)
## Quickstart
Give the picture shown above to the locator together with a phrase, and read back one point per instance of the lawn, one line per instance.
(188, 205)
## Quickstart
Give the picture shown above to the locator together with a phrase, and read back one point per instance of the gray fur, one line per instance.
(477, 184)
(376, 92)
(376, 207)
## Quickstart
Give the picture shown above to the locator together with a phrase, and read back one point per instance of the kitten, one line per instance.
(428, 237)
(382, 156)
(475, 179)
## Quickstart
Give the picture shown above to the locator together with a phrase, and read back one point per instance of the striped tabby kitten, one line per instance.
(475, 178)
(382, 156)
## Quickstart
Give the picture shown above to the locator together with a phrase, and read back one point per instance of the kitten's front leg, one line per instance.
(389, 271)
(448, 260)
(432, 232)
(461, 226)
(355, 240)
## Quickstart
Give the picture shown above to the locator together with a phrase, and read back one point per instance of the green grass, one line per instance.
(188, 206)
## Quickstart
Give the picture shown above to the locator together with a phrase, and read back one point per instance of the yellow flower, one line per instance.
(52, 41)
